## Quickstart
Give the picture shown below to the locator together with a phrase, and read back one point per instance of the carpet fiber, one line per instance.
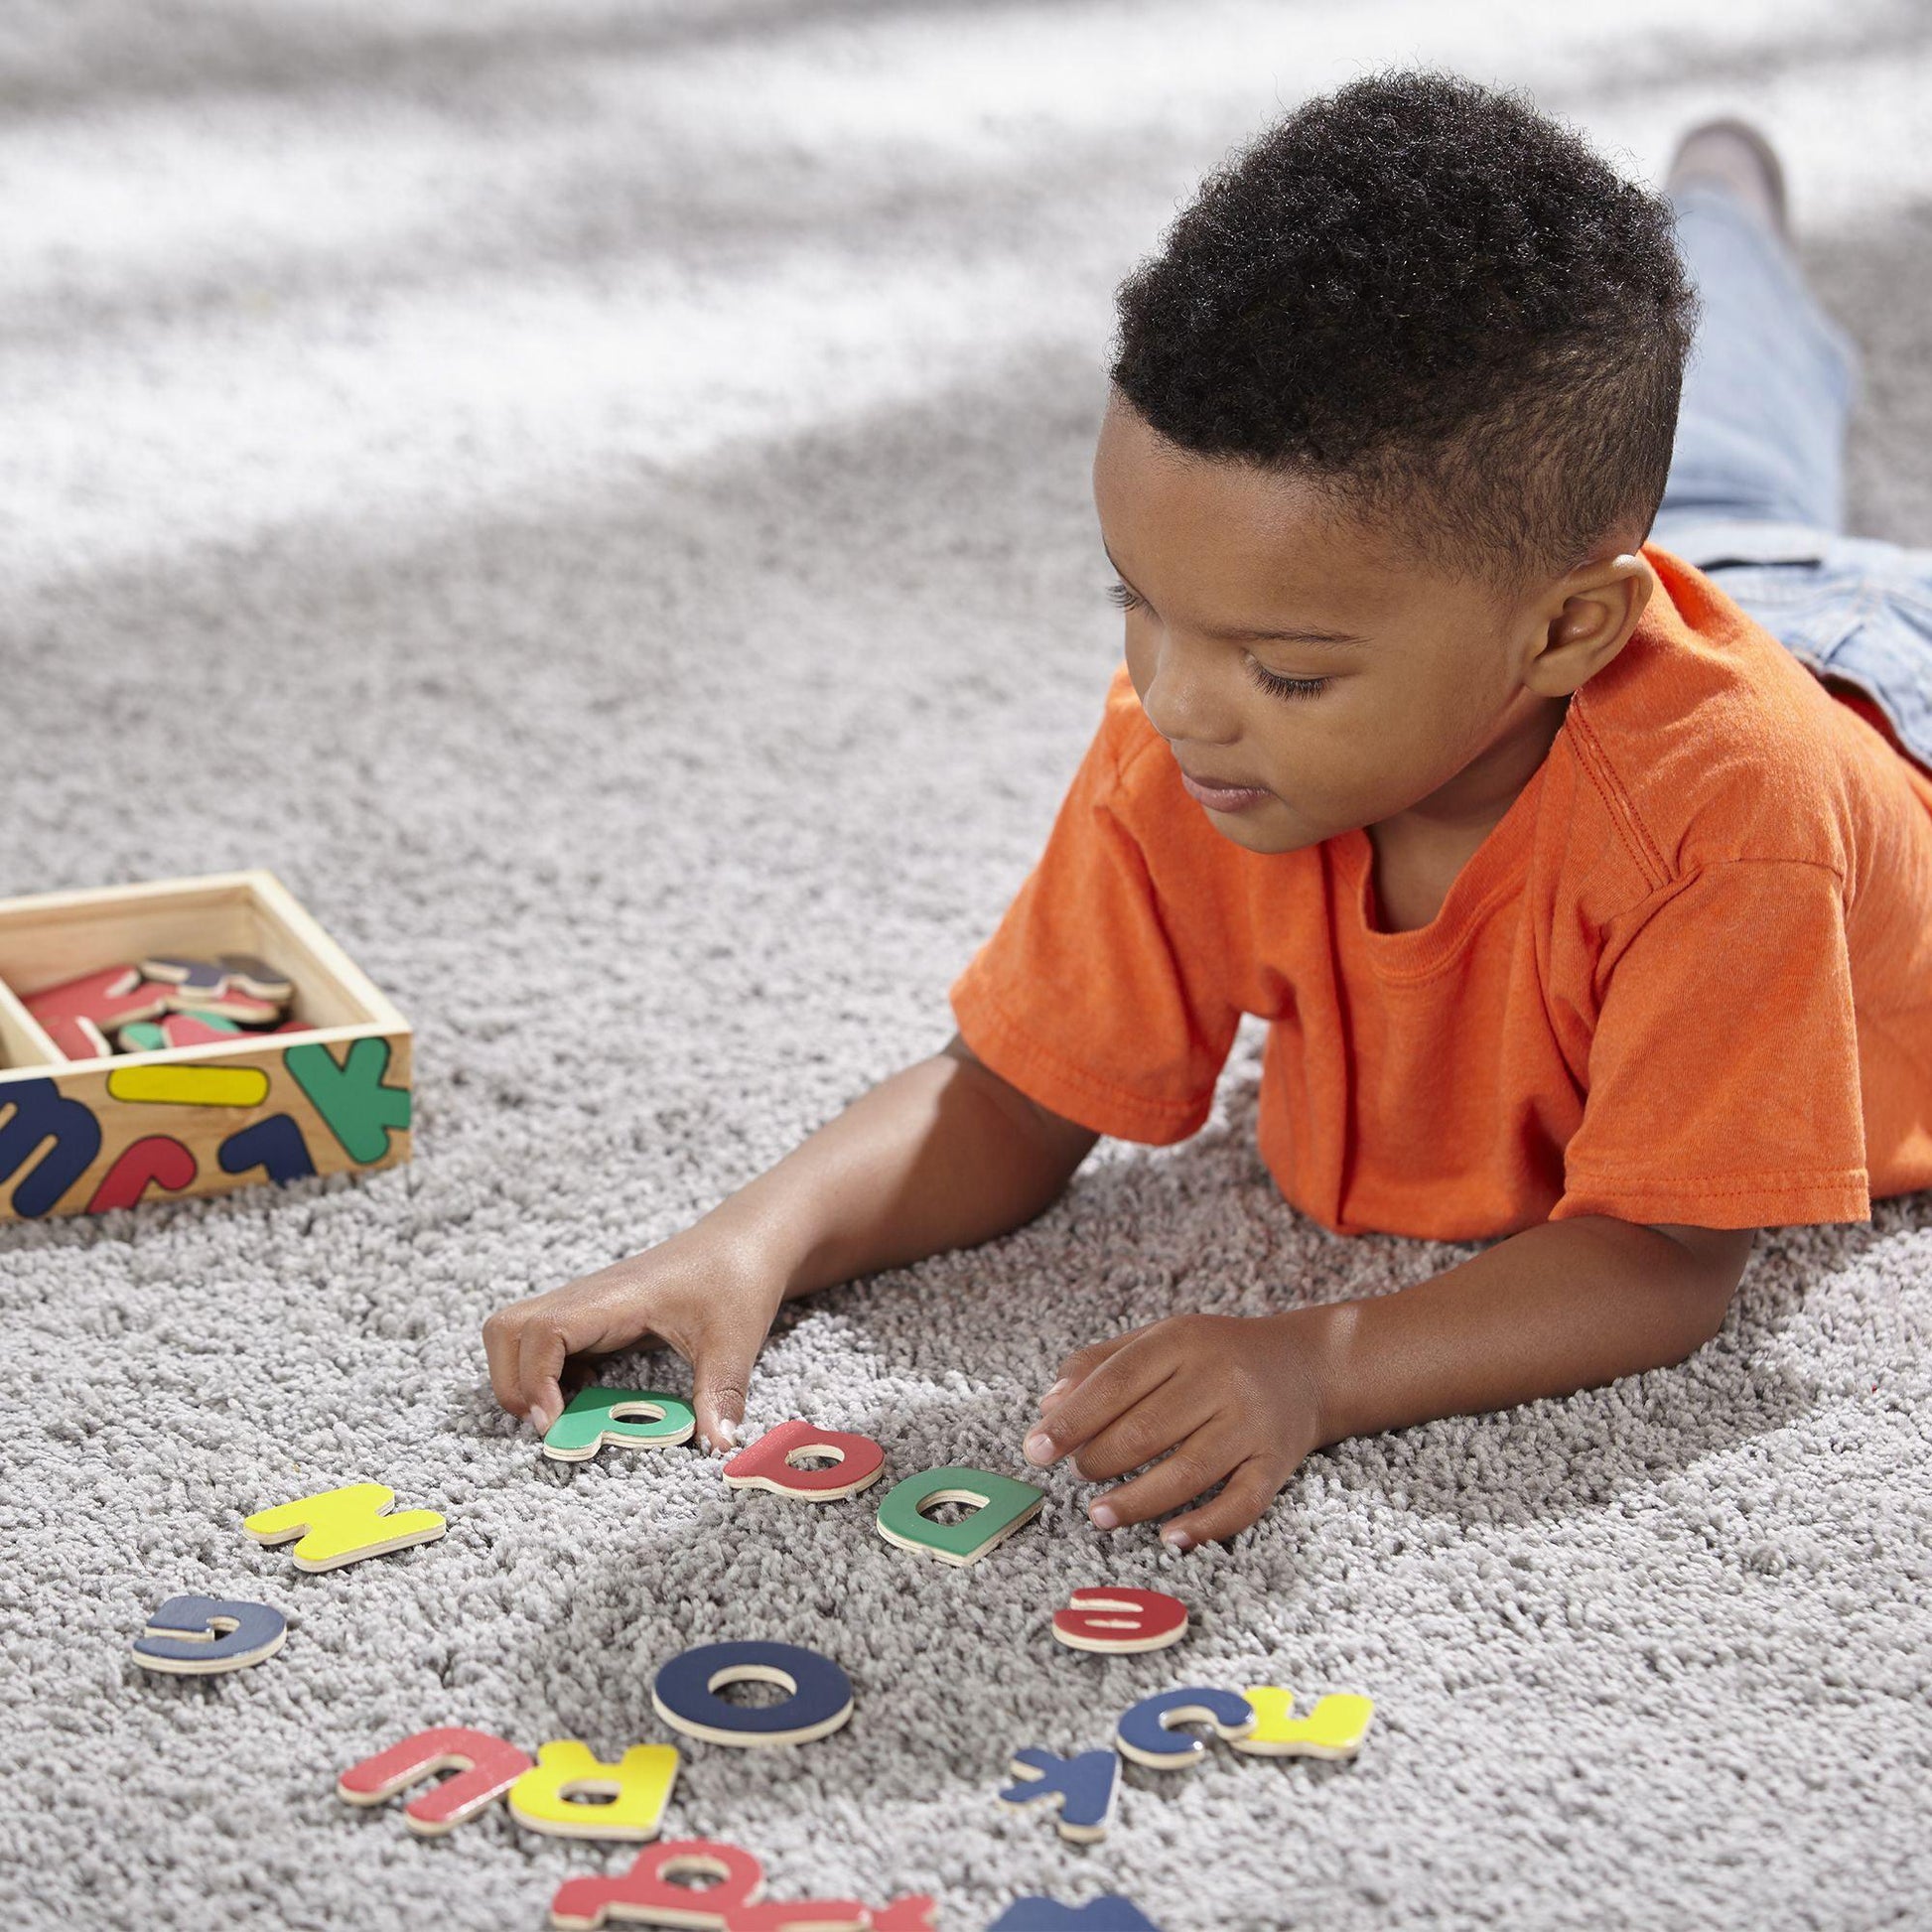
(594, 494)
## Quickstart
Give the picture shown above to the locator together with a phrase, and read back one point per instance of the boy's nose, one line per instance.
(1183, 704)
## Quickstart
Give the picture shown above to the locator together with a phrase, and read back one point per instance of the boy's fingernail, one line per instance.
(1065, 1382)
(1039, 1447)
(726, 1433)
(1177, 1539)
(540, 1420)
(1104, 1516)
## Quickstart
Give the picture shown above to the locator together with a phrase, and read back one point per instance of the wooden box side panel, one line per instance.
(344, 996)
(58, 936)
(21, 1042)
(90, 1136)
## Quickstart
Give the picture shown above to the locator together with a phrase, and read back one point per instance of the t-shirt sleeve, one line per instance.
(1723, 1069)
(1101, 993)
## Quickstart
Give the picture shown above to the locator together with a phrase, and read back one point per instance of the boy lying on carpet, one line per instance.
(1584, 912)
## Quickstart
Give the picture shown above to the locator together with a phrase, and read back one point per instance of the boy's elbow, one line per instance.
(1715, 1259)
(1066, 1142)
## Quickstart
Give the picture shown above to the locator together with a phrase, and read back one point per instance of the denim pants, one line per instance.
(1756, 491)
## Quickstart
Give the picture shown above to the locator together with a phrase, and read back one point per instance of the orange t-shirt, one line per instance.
(1686, 978)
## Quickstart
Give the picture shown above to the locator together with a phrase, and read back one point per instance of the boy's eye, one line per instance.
(1285, 687)
(1273, 682)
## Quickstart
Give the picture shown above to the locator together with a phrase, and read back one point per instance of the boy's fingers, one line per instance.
(1242, 1502)
(1083, 1361)
(1203, 1458)
(540, 1356)
(1173, 1413)
(721, 1373)
(499, 1336)
(1086, 1409)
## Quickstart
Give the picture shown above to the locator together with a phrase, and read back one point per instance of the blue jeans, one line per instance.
(1756, 491)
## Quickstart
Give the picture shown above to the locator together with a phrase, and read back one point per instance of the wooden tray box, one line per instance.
(80, 1136)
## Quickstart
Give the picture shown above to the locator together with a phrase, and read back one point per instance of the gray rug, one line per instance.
(594, 494)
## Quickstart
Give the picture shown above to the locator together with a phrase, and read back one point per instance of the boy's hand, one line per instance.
(1234, 1397)
(694, 1293)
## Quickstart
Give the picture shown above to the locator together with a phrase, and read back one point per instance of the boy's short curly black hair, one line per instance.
(1438, 306)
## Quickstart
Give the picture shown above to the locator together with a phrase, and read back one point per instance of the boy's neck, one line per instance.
(1419, 851)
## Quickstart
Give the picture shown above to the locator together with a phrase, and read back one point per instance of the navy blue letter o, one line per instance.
(685, 1695)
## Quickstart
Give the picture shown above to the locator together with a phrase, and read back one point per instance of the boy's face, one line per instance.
(1437, 671)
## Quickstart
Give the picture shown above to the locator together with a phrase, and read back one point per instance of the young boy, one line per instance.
(1584, 914)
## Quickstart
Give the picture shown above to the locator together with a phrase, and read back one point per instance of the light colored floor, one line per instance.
(595, 493)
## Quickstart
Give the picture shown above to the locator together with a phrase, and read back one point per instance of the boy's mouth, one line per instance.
(1223, 797)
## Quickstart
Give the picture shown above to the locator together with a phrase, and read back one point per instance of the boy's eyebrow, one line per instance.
(1244, 635)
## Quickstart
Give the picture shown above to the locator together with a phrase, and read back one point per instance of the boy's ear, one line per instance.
(1585, 618)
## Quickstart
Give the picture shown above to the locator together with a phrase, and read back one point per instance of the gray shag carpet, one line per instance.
(595, 493)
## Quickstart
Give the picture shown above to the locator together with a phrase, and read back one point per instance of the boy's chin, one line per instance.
(1271, 829)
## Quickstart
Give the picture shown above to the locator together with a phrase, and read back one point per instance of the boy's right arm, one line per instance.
(942, 1155)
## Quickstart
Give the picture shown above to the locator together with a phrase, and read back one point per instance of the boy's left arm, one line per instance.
(1243, 1400)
